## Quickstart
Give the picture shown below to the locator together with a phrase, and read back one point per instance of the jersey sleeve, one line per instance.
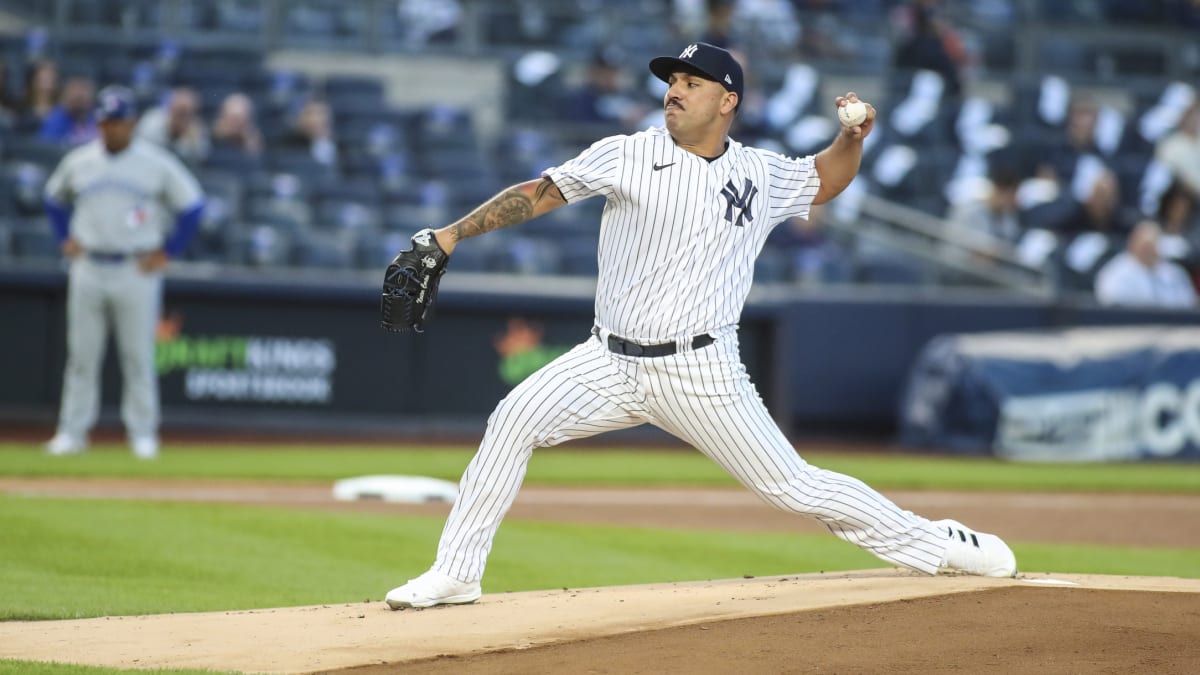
(794, 185)
(181, 192)
(58, 186)
(593, 172)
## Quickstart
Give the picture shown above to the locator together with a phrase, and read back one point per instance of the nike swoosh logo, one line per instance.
(660, 167)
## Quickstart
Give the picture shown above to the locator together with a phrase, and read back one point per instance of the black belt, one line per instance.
(619, 345)
(109, 257)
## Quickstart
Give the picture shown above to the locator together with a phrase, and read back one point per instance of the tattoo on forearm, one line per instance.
(510, 207)
(507, 208)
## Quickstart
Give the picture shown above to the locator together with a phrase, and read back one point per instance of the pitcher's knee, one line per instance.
(782, 496)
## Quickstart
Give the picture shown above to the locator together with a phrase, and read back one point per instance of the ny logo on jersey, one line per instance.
(743, 201)
(688, 51)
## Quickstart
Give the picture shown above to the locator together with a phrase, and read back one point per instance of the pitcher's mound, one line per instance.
(861, 622)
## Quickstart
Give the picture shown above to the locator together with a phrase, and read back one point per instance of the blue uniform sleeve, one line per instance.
(60, 218)
(186, 224)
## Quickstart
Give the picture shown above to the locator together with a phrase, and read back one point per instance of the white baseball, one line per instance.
(853, 113)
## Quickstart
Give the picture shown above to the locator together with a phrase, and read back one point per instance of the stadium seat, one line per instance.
(231, 159)
(6, 236)
(26, 181)
(885, 269)
(772, 266)
(266, 245)
(30, 148)
(533, 255)
(376, 249)
(579, 256)
(300, 163)
(349, 94)
(35, 241)
(222, 15)
(347, 215)
(325, 250)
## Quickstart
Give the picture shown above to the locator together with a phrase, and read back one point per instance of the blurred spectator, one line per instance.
(1096, 201)
(177, 125)
(71, 121)
(1180, 151)
(312, 130)
(718, 28)
(1078, 140)
(991, 210)
(41, 92)
(811, 255)
(1180, 240)
(235, 125)
(1184, 14)
(927, 43)
(1138, 276)
(10, 105)
(603, 96)
(1092, 224)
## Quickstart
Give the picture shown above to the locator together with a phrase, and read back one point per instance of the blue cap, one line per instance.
(709, 61)
(115, 102)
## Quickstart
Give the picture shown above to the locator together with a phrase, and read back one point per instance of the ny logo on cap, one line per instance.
(688, 52)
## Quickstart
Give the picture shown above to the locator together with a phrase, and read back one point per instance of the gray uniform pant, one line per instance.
(104, 298)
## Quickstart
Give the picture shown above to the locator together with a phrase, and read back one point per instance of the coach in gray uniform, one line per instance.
(110, 202)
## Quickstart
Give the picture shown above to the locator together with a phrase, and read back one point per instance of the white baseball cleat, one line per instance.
(974, 552)
(433, 588)
(65, 444)
(144, 447)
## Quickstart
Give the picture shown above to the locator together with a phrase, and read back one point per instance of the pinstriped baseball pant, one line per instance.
(705, 398)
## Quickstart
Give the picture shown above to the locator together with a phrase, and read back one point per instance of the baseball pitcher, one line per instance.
(687, 211)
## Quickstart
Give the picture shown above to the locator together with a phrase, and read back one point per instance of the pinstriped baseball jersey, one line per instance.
(680, 233)
(123, 202)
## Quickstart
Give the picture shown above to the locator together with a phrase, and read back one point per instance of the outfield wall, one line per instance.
(307, 353)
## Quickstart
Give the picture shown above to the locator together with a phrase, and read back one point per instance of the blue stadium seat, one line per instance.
(236, 16)
(579, 256)
(233, 160)
(772, 266)
(348, 94)
(888, 269)
(26, 181)
(376, 249)
(325, 250)
(533, 255)
(6, 242)
(30, 148)
(33, 240)
(263, 245)
(300, 163)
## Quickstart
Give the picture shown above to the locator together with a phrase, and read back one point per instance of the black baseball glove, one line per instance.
(410, 284)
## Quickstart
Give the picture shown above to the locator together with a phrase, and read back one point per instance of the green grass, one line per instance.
(586, 466)
(80, 558)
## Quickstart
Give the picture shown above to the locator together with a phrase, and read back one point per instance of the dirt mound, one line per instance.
(324, 638)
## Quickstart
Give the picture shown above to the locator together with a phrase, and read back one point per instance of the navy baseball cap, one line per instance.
(709, 61)
(115, 102)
